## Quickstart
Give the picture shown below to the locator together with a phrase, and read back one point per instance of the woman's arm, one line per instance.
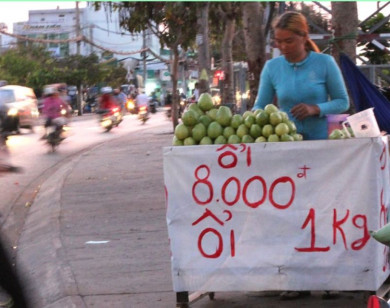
(339, 100)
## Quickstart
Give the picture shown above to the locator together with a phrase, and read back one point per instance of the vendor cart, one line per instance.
(277, 216)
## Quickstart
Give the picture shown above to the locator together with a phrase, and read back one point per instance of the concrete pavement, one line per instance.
(96, 234)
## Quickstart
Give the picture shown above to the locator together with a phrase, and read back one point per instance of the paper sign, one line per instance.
(278, 216)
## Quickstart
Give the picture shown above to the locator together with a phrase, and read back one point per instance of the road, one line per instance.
(38, 162)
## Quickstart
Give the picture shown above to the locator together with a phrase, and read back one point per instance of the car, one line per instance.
(18, 108)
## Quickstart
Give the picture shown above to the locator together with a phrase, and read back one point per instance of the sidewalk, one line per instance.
(96, 235)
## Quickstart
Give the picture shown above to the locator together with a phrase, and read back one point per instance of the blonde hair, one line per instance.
(296, 23)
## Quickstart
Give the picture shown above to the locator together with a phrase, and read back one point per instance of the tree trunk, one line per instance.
(252, 15)
(203, 44)
(345, 23)
(174, 77)
(227, 61)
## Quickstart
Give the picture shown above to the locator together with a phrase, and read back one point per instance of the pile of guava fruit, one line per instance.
(341, 133)
(203, 123)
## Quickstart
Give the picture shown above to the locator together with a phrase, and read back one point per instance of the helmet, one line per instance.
(106, 90)
(50, 90)
(62, 89)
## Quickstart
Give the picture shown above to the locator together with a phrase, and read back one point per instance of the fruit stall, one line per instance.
(276, 216)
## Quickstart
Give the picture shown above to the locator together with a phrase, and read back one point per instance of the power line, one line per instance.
(110, 43)
(82, 38)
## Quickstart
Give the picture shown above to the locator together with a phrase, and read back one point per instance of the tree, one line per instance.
(369, 50)
(81, 70)
(173, 24)
(27, 66)
(344, 24)
(252, 16)
(202, 14)
(228, 13)
(34, 67)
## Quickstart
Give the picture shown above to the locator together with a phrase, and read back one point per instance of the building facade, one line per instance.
(99, 27)
(102, 29)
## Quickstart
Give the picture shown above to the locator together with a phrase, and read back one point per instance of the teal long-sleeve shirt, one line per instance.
(317, 80)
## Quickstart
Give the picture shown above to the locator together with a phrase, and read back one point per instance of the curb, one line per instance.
(48, 278)
(40, 249)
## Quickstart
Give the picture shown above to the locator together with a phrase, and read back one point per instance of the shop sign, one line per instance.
(165, 75)
(220, 75)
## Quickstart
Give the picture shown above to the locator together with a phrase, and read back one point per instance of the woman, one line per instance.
(52, 106)
(308, 85)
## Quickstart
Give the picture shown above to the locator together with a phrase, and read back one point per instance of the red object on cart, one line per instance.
(377, 302)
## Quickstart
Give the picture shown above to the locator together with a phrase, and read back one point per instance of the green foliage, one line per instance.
(26, 65)
(172, 22)
(217, 16)
(79, 70)
(372, 53)
(32, 66)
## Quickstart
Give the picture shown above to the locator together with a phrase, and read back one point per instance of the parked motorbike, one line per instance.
(110, 119)
(143, 114)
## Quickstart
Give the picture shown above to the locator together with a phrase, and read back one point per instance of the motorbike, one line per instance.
(131, 106)
(110, 119)
(182, 106)
(153, 105)
(143, 114)
(54, 133)
(181, 109)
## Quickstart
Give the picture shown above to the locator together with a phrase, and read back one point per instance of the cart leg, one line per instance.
(182, 300)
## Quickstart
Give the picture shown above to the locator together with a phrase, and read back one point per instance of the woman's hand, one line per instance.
(302, 111)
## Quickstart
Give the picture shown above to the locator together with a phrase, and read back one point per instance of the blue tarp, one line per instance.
(364, 94)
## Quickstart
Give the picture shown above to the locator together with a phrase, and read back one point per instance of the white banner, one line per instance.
(278, 216)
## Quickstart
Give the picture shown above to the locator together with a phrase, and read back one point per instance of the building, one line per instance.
(6, 42)
(99, 27)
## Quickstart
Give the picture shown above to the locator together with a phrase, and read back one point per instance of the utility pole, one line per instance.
(78, 32)
(91, 37)
(144, 58)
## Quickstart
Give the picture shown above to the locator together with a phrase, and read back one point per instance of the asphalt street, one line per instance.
(96, 234)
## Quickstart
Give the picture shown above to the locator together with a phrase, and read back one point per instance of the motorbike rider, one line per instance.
(63, 94)
(107, 101)
(142, 99)
(52, 106)
(196, 93)
(121, 98)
